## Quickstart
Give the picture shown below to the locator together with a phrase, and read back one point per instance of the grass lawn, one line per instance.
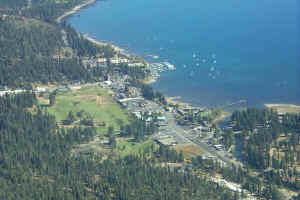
(124, 147)
(131, 148)
(99, 104)
(94, 101)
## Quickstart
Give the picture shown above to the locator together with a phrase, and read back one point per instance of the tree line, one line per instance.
(36, 162)
(270, 143)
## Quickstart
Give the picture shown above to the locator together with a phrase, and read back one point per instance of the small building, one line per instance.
(181, 112)
(161, 118)
(149, 119)
(118, 60)
(3, 17)
(104, 142)
(203, 128)
(138, 115)
(136, 65)
(101, 60)
(123, 60)
(75, 87)
(39, 89)
(219, 147)
(107, 83)
(75, 82)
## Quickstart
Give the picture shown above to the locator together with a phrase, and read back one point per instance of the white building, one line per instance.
(136, 65)
(118, 60)
(101, 60)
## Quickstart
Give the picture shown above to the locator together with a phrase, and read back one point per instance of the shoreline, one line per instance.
(281, 108)
(149, 80)
(177, 101)
(116, 48)
(74, 10)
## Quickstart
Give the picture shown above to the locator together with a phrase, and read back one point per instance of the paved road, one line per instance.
(188, 138)
(29, 3)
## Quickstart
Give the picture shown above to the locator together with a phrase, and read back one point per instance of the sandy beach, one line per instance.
(116, 48)
(284, 108)
(74, 10)
(150, 80)
(177, 100)
(86, 36)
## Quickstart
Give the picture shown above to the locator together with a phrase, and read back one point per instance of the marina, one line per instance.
(214, 64)
(162, 67)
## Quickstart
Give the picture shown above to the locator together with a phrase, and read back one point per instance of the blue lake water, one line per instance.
(224, 51)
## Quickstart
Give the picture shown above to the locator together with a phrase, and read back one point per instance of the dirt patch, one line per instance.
(98, 99)
(189, 150)
(101, 100)
(222, 117)
(284, 108)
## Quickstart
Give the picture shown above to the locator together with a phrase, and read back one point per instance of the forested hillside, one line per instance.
(27, 53)
(45, 10)
(38, 159)
(16, 4)
(271, 144)
(36, 162)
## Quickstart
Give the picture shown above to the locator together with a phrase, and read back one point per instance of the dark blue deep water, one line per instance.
(224, 51)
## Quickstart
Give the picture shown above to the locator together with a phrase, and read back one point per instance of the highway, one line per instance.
(188, 138)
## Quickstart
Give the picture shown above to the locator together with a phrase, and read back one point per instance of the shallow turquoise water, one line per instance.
(250, 48)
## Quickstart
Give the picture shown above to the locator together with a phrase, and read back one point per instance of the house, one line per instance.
(101, 60)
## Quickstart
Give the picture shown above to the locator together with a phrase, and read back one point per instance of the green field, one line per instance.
(124, 148)
(131, 148)
(94, 101)
(99, 104)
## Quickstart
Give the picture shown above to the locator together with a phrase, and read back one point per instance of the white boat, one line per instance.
(169, 66)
